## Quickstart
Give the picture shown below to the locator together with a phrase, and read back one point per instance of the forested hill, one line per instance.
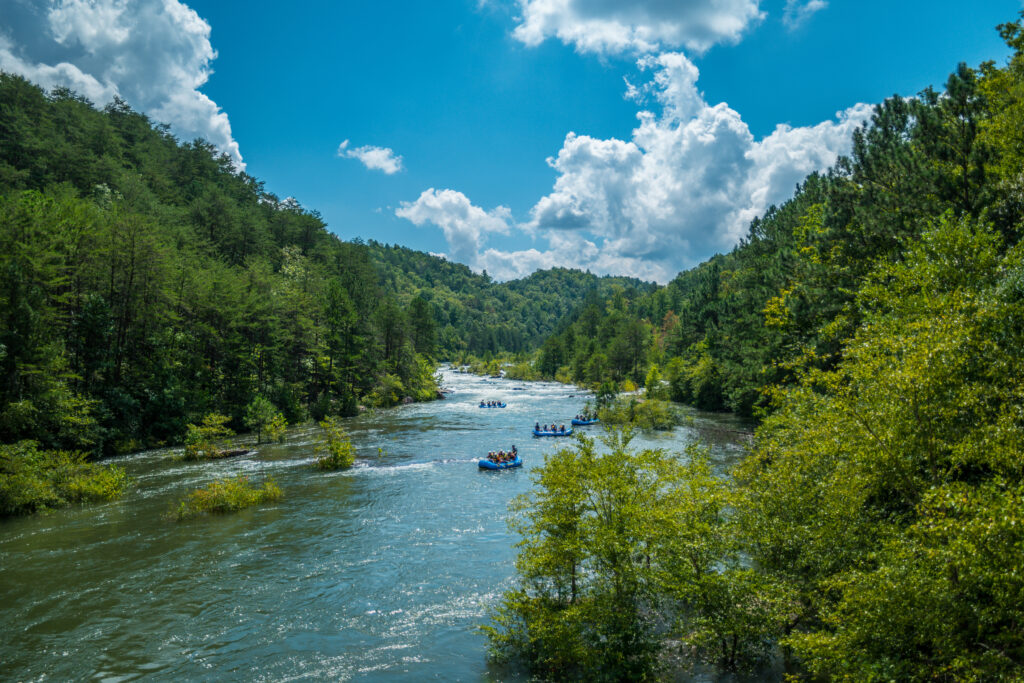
(144, 284)
(787, 300)
(477, 315)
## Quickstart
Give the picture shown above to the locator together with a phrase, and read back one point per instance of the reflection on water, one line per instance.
(381, 572)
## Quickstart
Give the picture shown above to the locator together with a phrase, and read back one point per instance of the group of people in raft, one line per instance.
(585, 417)
(503, 456)
(489, 404)
(553, 428)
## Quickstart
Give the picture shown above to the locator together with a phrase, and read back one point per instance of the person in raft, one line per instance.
(536, 426)
(562, 429)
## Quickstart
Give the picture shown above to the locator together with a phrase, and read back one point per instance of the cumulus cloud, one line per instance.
(691, 177)
(684, 186)
(610, 26)
(465, 226)
(373, 158)
(797, 12)
(154, 54)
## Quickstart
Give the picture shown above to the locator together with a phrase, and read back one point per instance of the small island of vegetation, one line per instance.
(225, 495)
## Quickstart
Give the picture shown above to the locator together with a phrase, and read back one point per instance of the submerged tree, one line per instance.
(262, 416)
(621, 551)
(339, 453)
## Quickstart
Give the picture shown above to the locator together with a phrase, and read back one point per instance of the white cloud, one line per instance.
(689, 180)
(465, 226)
(797, 12)
(373, 158)
(610, 26)
(154, 54)
(684, 186)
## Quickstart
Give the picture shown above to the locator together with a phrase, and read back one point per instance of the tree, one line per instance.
(423, 327)
(339, 454)
(653, 386)
(582, 607)
(883, 494)
(260, 415)
(205, 439)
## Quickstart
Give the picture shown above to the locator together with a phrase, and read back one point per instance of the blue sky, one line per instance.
(519, 147)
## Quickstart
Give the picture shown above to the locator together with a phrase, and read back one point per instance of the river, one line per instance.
(382, 572)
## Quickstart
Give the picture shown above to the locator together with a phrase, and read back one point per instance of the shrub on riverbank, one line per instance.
(33, 479)
(645, 414)
(340, 453)
(225, 495)
(419, 385)
(518, 366)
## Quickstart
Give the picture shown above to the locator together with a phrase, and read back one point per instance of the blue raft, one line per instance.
(567, 432)
(584, 423)
(499, 405)
(486, 464)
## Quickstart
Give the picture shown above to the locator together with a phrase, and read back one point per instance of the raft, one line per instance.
(486, 464)
(567, 432)
(500, 405)
(584, 423)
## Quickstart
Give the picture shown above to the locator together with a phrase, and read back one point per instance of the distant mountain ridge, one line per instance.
(476, 314)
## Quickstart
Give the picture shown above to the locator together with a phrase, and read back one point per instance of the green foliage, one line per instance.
(453, 310)
(143, 281)
(389, 393)
(522, 370)
(276, 428)
(622, 550)
(885, 494)
(205, 441)
(653, 386)
(32, 479)
(580, 609)
(783, 302)
(648, 413)
(261, 415)
(223, 496)
(605, 394)
(340, 453)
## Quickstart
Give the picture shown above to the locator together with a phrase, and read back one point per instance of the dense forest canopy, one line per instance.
(478, 316)
(146, 283)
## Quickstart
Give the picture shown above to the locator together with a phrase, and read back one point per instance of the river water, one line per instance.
(382, 572)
